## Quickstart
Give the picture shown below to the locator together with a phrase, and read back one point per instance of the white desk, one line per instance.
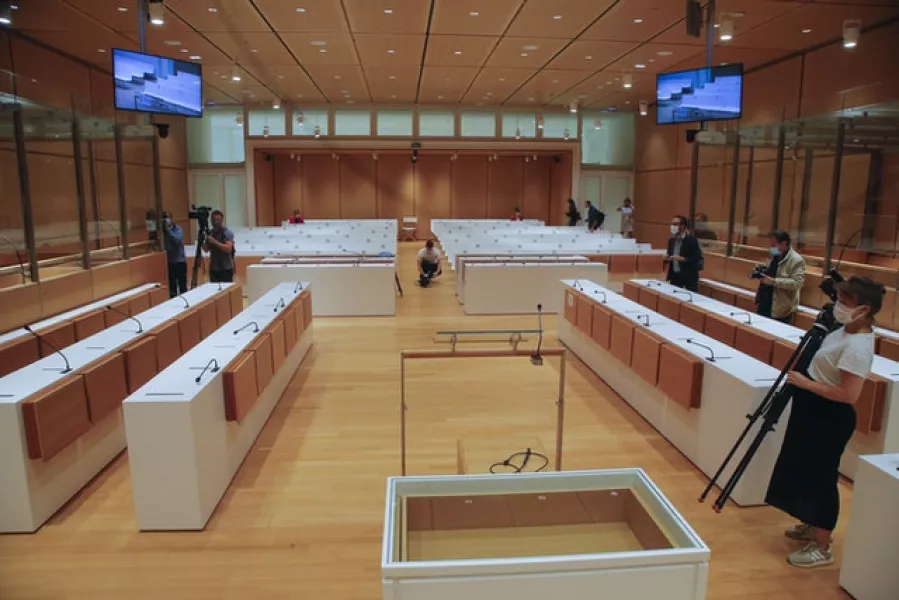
(876, 442)
(732, 387)
(464, 260)
(337, 286)
(872, 539)
(182, 451)
(32, 490)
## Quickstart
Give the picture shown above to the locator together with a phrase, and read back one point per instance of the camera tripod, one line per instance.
(772, 406)
(201, 214)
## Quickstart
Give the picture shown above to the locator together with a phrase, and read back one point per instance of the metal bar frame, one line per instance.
(79, 193)
(157, 193)
(778, 177)
(807, 168)
(748, 205)
(25, 193)
(95, 199)
(120, 177)
(872, 193)
(834, 196)
(694, 183)
(405, 355)
(734, 181)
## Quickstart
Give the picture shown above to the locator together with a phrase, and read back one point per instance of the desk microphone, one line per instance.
(536, 358)
(711, 358)
(604, 299)
(748, 320)
(183, 299)
(41, 338)
(652, 282)
(577, 285)
(253, 323)
(214, 369)
(298, 287)
(140, 328)
(646, 324)
(689, 294)
(280, 303)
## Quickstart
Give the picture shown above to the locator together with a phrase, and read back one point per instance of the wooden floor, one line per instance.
(303, 516)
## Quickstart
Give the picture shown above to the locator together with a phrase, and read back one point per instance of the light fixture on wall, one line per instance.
(852, 31)
(540, 122)
(518, 133)
(627, 81)
(726, 31)
(572, 108)
(265, 131)
(317, 132)
(5, 12)
(239, 119)
(235, 73)
(644, 108)
(374, 156)
(566, 134)
(292, 156)
(156, 12)
(276, 104)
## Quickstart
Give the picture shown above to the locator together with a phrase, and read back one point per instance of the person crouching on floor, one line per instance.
(428, 263)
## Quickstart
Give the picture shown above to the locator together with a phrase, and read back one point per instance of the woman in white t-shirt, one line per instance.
(822, 419)
(627, 218)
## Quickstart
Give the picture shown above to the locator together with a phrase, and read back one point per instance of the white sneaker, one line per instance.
(800, 533)
(810, 556)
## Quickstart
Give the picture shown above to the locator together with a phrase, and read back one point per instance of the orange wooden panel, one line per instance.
(724, 296)
(208, 319)
(650, 264)
(602, 326)
(745, 302)
(278, 344)
(299, 317)
(106, 386)
(755, 343)
(263, 357)
(648, 298)
(889, 349)
(20, 305)
(222, 310)
(140, 362)
(722, 329)
(168, 344)
(584, 318)
(631, 291)
(114, 317)
(623, 263)
(139, 303)
(307, 308)
(189, 330)
(669, 307)
(158, 295)
(803, 320)
(59, 336)
(241, 388)
(692, 317)
(18, 353)
(680, 376)
(571, 299)
(89, 324)
(705, 289)
(870, 405)
(646, 352)
(781, 353)
(235, 295)
(622, 339)
(55, 418)
(290, 327)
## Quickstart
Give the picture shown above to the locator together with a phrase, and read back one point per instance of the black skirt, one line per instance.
(804, 481)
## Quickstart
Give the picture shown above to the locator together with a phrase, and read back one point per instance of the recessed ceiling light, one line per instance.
(530, 47)
(391, 52)
(172, 43)
(393, 96)
(524, 53)
(717, 25)
(213, 9)
(638, 21)
(439, 97)
(588, 57)
(473, 14)
(652, 60)
(627, 101)
(184, 50)
(806, 30)
(196, 57)
(318, 43)
(254, 50)
(123, 9)
(502, 78)
(557, 17)
(101, 49)
(351, 102)
(322, 51)
(223, 76)
(639, 66)
(392, 77)
(337, 77)
(300, 9)
(388, 11)
(664, 52)
(488, 93)
(458, 53)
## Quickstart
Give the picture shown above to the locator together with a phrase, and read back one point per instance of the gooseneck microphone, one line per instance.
(42, 339)
(183, 299)
(215, 367)
(604, 299)
(253, 323)
(711, 357)
(140, 328)
(748, 316)
(646, 324)
(298, 288)
(689, 294)
(280, 304)
(536, 357)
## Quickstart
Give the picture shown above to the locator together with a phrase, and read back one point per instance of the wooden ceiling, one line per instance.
(471, 52)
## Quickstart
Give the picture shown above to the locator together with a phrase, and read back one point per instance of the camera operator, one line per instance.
(220, 245)
(173, 237)
(780, 280)
(822, 419)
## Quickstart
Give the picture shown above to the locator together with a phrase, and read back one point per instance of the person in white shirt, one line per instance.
(428, 264)
(627, 218)
(822, 420)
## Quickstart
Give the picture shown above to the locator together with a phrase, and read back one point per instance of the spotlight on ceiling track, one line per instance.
(852, 30)
(235, 73)
(627, 81)
(573, 107)
(5, 13)
(644, 108)
(276, 104)
(726, 31)
(156, 12)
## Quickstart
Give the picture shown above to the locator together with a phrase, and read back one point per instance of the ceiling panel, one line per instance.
(392, 84)
(547, 84)
(524, 53)
(322, 48)
(745, 15)
(380, 50)
(562, 19)
(495, 85)
(252, 47)
(473, 17)
(653, 62)
(750, 57)
(636, 20)
(621, 101)
(387, 16)
(184, 45)
(47, 15)
(218, 15)
(102, 11)
(458, 51)
(287, 82)
(213, 94)
(340, 83)
(87, 44)
(304, 16)
(589, 56)
(443, 85)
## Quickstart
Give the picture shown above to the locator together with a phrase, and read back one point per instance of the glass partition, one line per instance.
(14, 256)
(521, 125)
(267, 122)
(352, 122)
(217, 137)
(310, 122)
(607, 139)
(436, 123)
(478, 123)
(395, 122)
(560, 125)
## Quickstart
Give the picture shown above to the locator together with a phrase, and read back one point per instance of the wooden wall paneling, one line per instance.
(175, 198)
(656, 146)
(560, 188)
(396, 187)
(110, 279)
(504, 191)
(172, 149)
(65, 292)
(265, 188)
(535, 203)
(469, 188)
(358, 187)
(321, 187)
(288, 177)
(886, 227)
(772, 94)
(68, 80)
(432, 191)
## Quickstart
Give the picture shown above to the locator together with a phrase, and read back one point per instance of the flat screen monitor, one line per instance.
(156, 84)
(708, 94)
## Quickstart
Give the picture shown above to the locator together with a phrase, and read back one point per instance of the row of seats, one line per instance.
(57, 416)
(248, 375)
(885, 346)
(25, 350)
(761, 346)
(676, 373)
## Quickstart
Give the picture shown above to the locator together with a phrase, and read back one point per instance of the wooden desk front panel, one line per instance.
(680, 376)
(622, 339)
(755, 343)
(278, 344)
(89, 324)
(602, 326)
(631, 291)
(290, 327)
(140, 362)
(306, 297)
(262, 354)
(241, 387)
(645, 355)
(208, 319)
(622, 263)
(59, 336)
(139, 303)
(114, 317)
(692, 317)
(584, 316)
(721, 329)
(571, 300)
(648, 298)
(869, 407)
(669, 307)
(222, 310)
(106, 386)
(158, 295)
(168, 344)
(18, 353)
(189, 330)
(235, 296)
(650, 264)
(55, 418)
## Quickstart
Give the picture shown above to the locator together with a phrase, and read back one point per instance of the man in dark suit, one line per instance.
(684, 256)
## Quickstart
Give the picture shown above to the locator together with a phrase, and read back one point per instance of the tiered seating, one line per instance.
(772, 342)
(692, 388)
(190, 427)
(60, 427)
(19, 347)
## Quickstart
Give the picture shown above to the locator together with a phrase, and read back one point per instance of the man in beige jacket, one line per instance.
(779, 287)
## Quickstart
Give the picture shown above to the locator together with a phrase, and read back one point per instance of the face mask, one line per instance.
(216, 224)
(674, 229)
(773, 251)
(842, 313)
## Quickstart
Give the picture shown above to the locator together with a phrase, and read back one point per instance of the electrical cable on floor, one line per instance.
(524, 463)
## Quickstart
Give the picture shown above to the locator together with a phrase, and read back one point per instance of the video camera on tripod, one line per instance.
(777, 398)
(200, 214)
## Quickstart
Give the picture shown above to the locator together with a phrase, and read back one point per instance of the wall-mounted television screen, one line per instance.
(708, 94)
(155, 84)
